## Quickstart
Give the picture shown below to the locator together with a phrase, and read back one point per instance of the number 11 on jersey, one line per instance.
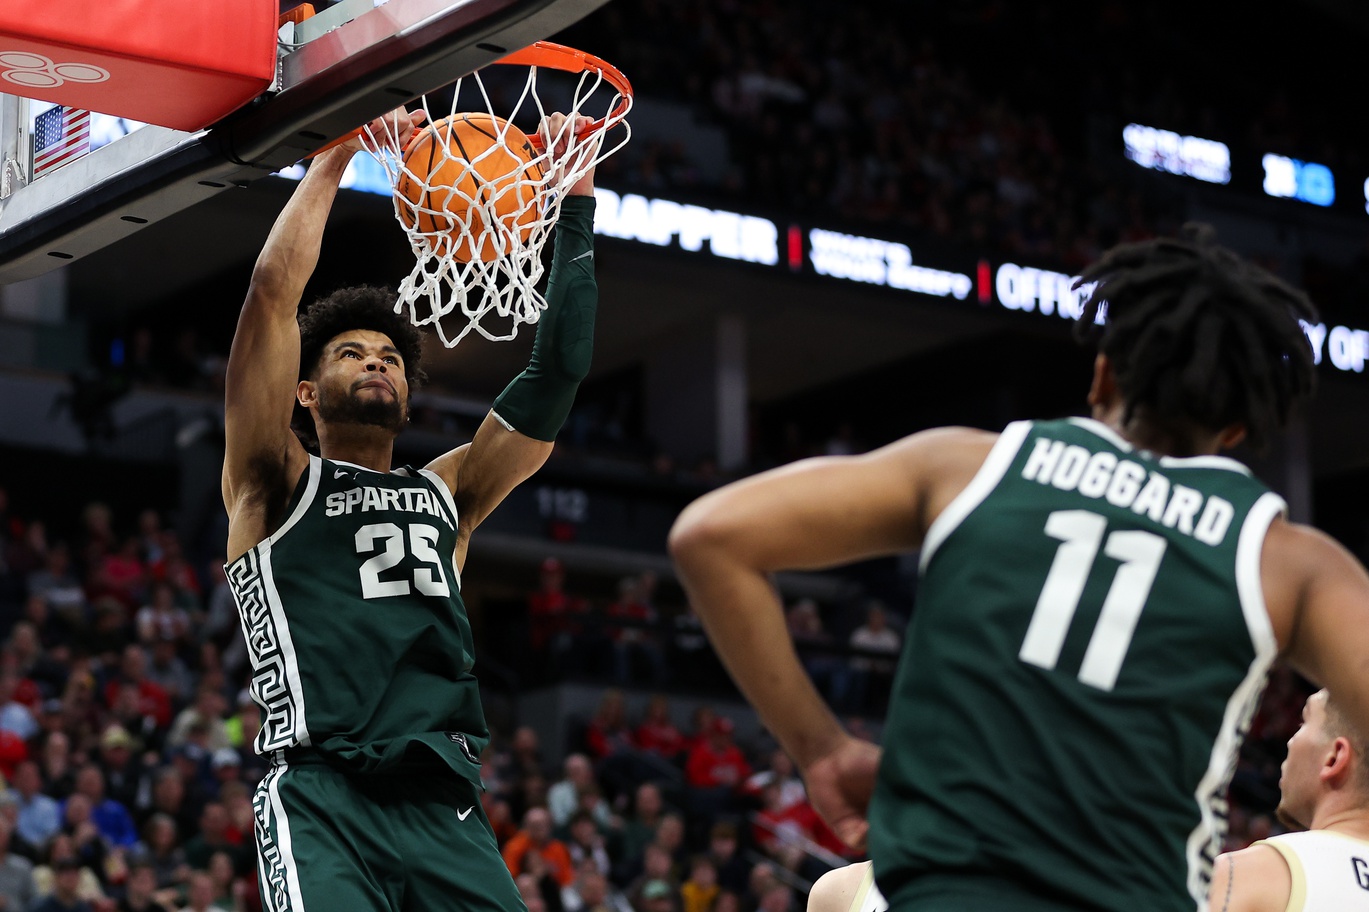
(1081, 533)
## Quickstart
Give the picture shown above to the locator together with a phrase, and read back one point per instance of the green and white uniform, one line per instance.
(361, 655)
(1089, 645)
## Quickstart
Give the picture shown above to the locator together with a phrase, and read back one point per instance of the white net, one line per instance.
(478, 196)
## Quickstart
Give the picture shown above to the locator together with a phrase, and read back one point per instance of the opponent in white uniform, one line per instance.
(848, 889)
(1325, 785)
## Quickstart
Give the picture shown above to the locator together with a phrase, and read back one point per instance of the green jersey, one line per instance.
(1089, 644)
(360, 646)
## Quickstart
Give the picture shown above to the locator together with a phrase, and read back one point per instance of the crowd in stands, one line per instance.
(631, 641)
(642, 816)
(645, 816)
(125, 732)
(861, 115)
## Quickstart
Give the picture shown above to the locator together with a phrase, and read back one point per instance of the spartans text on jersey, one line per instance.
(365, 499)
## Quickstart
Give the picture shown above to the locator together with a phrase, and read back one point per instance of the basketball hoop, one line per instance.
(478, 190)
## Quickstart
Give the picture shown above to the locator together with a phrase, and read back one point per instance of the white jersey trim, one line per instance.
(283, 840)
(1328, 870)
(1100, 429)
(985, 480)
(1249, 584)
(315, 471)
(287, 649)
(868, 898)
(353, 465)
(1240, 708)
(446, 494)
(443, 490)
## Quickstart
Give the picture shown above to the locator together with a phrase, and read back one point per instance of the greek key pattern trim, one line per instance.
(275, 890)
(270, 682)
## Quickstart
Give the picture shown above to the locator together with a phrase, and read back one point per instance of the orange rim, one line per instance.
(553, 56)
(559, 57)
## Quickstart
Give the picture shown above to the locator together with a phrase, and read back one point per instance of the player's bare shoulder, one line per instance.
(1254, 879)
(1299, 567)
(942, 461)
(847, 889)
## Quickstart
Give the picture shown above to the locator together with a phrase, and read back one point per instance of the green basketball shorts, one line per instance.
(329, 841)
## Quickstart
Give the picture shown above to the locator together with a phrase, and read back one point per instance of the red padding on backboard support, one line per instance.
(167, 62)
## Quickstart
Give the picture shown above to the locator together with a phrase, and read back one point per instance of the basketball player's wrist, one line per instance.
(573, 255)
(583, 187)
(332, 163)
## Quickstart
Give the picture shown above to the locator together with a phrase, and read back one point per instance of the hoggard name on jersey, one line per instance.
(368, 499)
(1130, 486)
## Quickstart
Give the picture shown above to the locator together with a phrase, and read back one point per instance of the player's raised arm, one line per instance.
(262, 455)
(263, 365)
(516, 437)
(810, 515)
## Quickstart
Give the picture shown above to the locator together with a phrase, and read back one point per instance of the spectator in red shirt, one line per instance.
(153, 701)
(121, 574)
(714, 773)
(717, 762)
(607, 733)
(779, 824)
(634, 644)
(557, 619)
(657, 731)
(177, 572)
(701, 721)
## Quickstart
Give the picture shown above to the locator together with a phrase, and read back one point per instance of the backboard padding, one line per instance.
(386, 57)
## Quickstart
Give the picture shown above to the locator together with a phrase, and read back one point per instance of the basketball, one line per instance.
(470, 180)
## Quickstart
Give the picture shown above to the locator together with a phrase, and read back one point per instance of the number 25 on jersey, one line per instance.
(428, 578)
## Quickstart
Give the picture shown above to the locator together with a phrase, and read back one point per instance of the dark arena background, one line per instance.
(836, 224)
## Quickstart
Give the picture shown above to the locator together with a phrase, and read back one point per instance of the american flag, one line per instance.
(60, 135)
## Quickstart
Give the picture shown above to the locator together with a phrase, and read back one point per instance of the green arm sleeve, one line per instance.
(538, 400)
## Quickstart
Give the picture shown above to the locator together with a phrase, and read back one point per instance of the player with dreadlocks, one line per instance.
(1099, 601)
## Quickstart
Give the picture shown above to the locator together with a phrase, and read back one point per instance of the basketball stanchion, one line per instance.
(478, 191)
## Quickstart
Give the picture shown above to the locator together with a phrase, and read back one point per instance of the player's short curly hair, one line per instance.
(360, 307)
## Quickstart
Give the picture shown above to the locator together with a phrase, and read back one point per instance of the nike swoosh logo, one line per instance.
(338, 473)
(587, 253)
(462, 815)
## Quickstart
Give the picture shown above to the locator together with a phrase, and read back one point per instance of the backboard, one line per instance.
(334, 77)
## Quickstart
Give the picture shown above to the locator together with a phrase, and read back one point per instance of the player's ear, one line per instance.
(1337, 761)
(1231, 436)
(1104, 385)
(306, 393)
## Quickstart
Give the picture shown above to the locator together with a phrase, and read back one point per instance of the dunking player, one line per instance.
(1100, 599)
(1325, 787)
(347, 574)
